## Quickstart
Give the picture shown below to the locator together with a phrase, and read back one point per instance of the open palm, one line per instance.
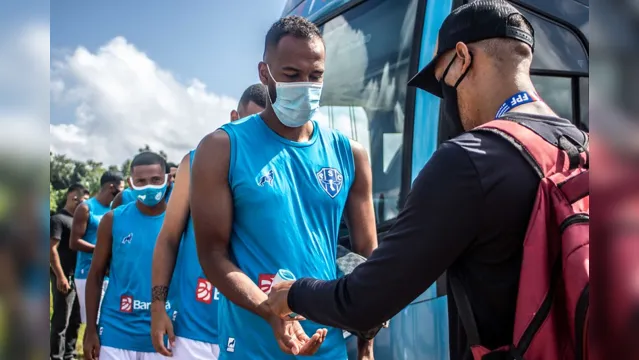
(292, 339)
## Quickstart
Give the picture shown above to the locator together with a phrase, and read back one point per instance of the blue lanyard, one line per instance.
(518, 99)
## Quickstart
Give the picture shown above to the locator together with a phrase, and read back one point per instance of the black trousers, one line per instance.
(65, 322)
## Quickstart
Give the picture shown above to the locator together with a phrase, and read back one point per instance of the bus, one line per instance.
(373, 47)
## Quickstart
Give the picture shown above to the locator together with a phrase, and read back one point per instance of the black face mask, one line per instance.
(450, 102)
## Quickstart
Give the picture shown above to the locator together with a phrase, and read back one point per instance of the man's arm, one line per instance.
(166, 246)
(360, 219)
(117, 201)
(360, 214)
(440, 219)
(101, 257)
(79, 228)
(54, 257)
(212, 211)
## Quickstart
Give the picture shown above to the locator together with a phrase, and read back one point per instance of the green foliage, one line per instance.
(65, 172)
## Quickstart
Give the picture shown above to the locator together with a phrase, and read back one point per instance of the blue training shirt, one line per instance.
(96, 211)
(288, 199)
(195, 297)
(125, 318)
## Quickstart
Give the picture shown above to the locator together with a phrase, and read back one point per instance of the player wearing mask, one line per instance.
(271, 189)
(126, 238)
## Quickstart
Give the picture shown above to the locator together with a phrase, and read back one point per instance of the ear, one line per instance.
(263, 73)
(234, 115)
(129, 181)
(463, 53)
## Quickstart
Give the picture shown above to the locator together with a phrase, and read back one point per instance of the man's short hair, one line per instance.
(148, 158)
(293, 25)
(111, 177)
(170, 165)
(78, 188)
(256, 93)
(505, 49)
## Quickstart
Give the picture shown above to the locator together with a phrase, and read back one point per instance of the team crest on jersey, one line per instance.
(266, 178)
(330, 180)
(127, 239)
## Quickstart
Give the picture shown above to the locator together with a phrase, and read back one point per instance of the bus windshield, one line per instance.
(368, 51)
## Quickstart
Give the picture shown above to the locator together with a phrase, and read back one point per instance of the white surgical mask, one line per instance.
(296, 102)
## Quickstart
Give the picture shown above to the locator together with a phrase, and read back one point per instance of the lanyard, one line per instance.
(518, 99)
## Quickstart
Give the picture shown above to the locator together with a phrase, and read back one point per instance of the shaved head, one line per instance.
(508, 54)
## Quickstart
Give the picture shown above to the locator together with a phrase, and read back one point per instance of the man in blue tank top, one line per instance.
(195, 335)
(126, 238)
(127, 195)
(85, 227)
(268, 193)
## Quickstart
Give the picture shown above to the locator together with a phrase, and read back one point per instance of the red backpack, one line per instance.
(551, 319)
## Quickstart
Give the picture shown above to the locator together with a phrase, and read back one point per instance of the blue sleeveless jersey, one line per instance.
(288, 199)
(125, 318)
(195, 297)
(96, 211)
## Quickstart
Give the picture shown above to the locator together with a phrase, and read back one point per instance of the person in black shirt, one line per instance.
(469, 207)
(65, 320)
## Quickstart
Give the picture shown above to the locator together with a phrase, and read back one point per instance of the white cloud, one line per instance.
(124, 100)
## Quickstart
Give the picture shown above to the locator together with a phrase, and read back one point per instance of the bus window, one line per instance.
(584, 123)
(556, 47)
(368, 52)
(557, 93)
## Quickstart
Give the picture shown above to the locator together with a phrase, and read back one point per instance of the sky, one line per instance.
(24, 77)
(159, 72)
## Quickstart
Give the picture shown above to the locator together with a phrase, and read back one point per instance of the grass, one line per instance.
(80, 332)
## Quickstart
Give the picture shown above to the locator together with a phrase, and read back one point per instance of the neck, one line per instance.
(69, 208)
(151, 210)
(504, 91)
(299, 134)
(104, 197)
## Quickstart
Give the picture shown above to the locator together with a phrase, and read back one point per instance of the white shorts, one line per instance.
(109, 353)
(187, 349)
(80, 289)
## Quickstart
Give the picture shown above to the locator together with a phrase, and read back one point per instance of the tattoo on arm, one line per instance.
(159, 293)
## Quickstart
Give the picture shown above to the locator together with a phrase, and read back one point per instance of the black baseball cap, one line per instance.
(469, 23)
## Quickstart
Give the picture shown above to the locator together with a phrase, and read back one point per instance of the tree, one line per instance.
(126, 168)
(148, 148)
(94, 173)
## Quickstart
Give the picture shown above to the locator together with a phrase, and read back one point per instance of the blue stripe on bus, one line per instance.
(425, 129)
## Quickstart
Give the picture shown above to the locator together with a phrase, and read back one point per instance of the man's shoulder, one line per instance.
(496, 161)
(331, 132)
(62, 214)
(339, 139)
(489, 153)
(62, 217)
(481, 143)
(123, 209)
(242, 123)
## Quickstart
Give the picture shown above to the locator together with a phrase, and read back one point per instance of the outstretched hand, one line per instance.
(289, 333)
(292, 339)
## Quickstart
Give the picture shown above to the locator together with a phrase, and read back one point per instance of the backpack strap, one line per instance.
(545, 158)
(465, 310)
